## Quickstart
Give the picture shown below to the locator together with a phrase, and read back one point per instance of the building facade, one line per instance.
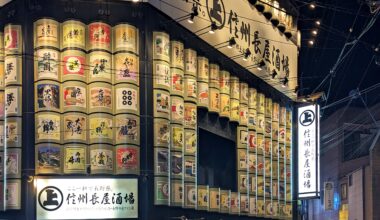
(119, 109)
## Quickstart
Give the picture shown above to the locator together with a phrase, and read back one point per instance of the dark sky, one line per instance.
(337, 17)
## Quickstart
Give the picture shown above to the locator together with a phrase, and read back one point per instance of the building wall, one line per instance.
(355, 196)
(375, 171)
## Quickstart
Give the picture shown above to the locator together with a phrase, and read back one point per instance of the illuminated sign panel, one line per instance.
(86, 198)
(308, 151)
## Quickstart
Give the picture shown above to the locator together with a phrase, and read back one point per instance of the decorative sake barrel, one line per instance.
(161, 46)
(203, 70)
(177, 82)
(190, 62)
(203, 95)
(244, 93)
(191, 91)
(73, 65)
(161, 75)
(235, 110)
(161, 137)
(125, 38)
(177, 137)
(73, 34)
(214, 105)
(47, 64)
(127, 129)
(275, 112)
(2, 108)
(190, 115)
(127, 160)
(75, 127)
(235, 87)
(48, 158)
(101, 158)
(99, 66)
(177, 109)
(161, 104)
(13, 101)
(100, 97)
(190, 144)
(243, 114)
(47, 96)
(48, 127)
(126, 99)
(75, 158)
(260, 103)
(13, 39)
(225, 108)
(224, 82)
(177, 56)
(14, 132)
(100, 128)
(1, 46)
(268, 107)
(125, 68)
(252, 118)
(13, 70)
(74, 96)
(46, 33)
(99, 36)
(214, 76)
(252, 98)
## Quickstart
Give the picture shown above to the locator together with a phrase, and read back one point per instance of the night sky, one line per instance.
(337, 17)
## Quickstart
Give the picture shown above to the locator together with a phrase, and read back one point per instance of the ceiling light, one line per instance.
(311, 42)
(191, 18)
(318, 22)
(247, 53)
(314, 32)
(312, 5)
(231, 42)
(213, 28)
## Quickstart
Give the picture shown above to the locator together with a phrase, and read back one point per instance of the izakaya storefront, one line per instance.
(117, 109)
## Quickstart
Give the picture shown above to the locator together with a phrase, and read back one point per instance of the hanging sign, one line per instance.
(329, 196)
(86, 198)
(308, 151)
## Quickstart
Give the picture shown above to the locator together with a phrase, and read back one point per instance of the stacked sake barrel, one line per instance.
(2, 101)
(268, 157)
(235, 99)
(191, 134)
(161, 113)
(260, 154)
(177, 107)
(288, 166)
(275, 159)
(11, 84)
(252, 150)
(48, 137)
(126, 101)
(203, 82)
(282, 160)
(214, 89)
(242, 144)
(100, 98)
(224, 84)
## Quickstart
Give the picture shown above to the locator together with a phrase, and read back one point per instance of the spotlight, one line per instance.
(312, 5)
(191, 18)
(318, 22)
(247, 53)
(314, 32)
(311, 42)
(285, 82)
(261, 65)
(231, 42)
(213, 28)
(274, 74)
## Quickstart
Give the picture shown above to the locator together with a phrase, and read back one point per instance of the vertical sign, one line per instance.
(329, 196)
(308, 151)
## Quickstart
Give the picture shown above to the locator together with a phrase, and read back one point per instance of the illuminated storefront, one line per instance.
(139, 113)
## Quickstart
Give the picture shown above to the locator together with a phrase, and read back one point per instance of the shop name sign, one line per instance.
(86, 198)
(308, 152)
(250, 29)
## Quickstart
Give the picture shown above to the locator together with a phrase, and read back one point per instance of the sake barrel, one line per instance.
(47, 64)
(13, 101)
(102, 158)
(203, 95)
(126, 68)
(243, 93)
(100, 66)
(161, 75)
(177, 109)
(252, 98)
(75, 127)
(161, 136)
(190, 115)
(47, 96)
(48, 157)
(13, 70)
(13, 39)
(235, 110)
(100, 128)
(48, 127)
(127, 160)
(127, 129)
(214, 105)
(190, 62)
(74, 65)
(99, 36)
(214, 76)
(203, 70)
(177, 81)
(75, 158)
(13, 128)
(235, 87)
(161, 46)
(177, 55)
(73, 34)
(225, 107)
(74, 96)
(161, 103)
(100, 98)
(126, 99)
(191, 89)
(46, 33)
(224, 82)
(125, 38)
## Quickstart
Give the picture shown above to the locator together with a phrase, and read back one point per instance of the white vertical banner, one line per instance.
(328, 196)
(308, 151)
